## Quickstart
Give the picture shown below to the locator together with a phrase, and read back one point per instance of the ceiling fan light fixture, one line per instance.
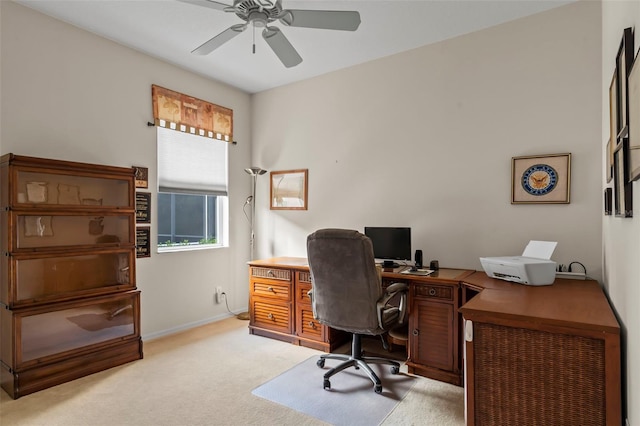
(259, 23)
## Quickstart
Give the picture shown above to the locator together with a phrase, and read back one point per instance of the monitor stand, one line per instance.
(389, 264)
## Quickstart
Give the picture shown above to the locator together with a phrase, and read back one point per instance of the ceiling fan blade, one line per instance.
(217, 41)
(208, 3)
(323, 19)
(281, 47)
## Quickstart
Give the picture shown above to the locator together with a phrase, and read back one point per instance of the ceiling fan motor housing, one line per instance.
(250, 10)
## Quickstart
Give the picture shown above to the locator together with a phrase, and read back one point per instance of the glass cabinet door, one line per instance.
(45, 278)
(40, 230)
(71, 190)
(48, 333)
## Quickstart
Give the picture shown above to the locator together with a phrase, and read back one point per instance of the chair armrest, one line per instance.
(391, 291)
(396, 287)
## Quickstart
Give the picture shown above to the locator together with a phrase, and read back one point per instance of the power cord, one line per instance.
(241, 315)
(567, 268)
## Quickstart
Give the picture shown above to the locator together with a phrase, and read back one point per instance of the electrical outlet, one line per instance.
(218, 294)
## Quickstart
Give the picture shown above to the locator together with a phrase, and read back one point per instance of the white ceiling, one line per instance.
(170, 30)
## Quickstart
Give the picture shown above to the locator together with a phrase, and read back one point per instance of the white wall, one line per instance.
(421, 139)
(425, 139)
(621, 236)
(68, 94)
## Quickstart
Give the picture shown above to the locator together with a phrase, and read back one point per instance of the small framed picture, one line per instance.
(541, 179)
(142, 177)
(608, 201)
(289, 189)
(609, 162)
(143, 241)
(143, 207)
(621, 186)
(623, 66)
(634, 121)
(613, 111)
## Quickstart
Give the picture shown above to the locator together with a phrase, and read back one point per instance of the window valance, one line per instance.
(177, 111)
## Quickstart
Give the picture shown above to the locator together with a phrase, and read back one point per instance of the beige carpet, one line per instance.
(205, 376)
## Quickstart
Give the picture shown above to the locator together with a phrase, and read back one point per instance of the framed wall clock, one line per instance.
(541, 179)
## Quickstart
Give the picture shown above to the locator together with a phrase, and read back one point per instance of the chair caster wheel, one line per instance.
(395, 370)
(320, 363)
(327, 384)
(378, 389)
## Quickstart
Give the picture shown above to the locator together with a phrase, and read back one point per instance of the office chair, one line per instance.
(347, 295)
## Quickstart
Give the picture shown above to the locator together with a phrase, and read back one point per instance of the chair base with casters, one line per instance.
(359, 362)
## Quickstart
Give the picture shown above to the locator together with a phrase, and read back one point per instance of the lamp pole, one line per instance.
(254, 172)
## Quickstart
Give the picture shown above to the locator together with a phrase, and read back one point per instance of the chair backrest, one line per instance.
(346, 282)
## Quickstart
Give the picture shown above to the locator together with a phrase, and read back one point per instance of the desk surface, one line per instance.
(573, 303)
(301, 263)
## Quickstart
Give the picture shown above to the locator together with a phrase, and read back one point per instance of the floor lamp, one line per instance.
(254, 172)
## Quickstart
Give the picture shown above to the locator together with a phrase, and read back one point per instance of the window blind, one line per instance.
(191, 164)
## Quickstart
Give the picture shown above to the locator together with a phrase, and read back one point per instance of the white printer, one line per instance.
(534, 267)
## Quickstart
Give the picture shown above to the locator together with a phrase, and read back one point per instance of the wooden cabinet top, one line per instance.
(568, 303)
(282, 262)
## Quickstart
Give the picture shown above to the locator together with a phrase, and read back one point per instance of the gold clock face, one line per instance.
(539, 179)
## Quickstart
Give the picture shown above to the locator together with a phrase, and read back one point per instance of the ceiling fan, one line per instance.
(261, 13)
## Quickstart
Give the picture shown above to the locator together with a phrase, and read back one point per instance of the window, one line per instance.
(192, 191)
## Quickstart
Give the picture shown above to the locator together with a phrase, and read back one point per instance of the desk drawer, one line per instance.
(303, 277)
(302, 296)
(307, 326)
(271, 273)
(434, 291)
(275, 289)
(272, 316)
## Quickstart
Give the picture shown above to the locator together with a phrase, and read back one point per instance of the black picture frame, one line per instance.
(624, 59)
(634, 120)
(143, 241)
(608, 201)
(143, 207)
(623, 201)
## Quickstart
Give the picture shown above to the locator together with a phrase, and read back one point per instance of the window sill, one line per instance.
(187, 247)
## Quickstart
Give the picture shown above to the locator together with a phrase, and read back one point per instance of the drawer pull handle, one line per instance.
(415, 332)
(271, 317)
(432, 292)
(270, 273)
(270, 289)
(312, 325)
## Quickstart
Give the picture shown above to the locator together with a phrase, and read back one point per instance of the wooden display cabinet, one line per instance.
(67, 280)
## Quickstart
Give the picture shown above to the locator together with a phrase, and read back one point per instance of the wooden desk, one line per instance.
(541, 355)
(280, 308)
(536, 355)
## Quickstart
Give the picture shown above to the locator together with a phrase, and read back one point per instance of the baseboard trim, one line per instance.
(156, 335)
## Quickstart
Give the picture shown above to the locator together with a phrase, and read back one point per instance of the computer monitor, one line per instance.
(390, 244)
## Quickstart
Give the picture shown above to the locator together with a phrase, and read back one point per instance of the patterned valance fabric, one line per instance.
(177, 111)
